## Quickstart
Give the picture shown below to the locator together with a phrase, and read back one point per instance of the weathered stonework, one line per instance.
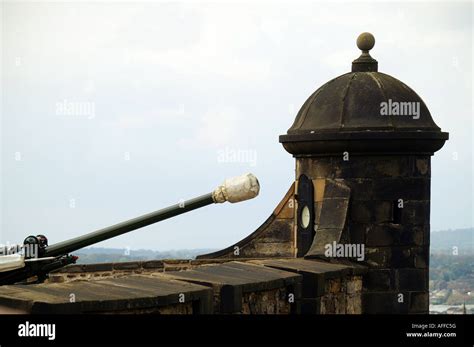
(327, 288)
(124, 294)
(396, 246)
(266, 302)
(259, 286)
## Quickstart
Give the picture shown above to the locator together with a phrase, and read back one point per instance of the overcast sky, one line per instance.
(114, 109)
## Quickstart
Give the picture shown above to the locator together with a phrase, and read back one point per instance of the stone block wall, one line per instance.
(342, 296)
(258, 286)
(327, 288)
(389, 212)
(246, 288)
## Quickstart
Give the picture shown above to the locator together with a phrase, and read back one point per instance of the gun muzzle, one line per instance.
(237, 189)
(233, 190)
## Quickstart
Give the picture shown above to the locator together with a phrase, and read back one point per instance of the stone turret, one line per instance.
(363, 143)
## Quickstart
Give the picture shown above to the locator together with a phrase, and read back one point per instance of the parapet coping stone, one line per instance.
(245, 275)
(105, 295)
(318, 267)
(231, 280)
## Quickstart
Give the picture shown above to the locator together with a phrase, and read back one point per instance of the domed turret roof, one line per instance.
(363, 111)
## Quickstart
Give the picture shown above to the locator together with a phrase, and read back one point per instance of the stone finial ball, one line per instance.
(365, 41)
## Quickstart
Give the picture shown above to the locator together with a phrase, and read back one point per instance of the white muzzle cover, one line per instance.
(237, 189)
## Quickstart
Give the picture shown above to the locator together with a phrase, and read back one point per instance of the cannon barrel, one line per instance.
(233, 190)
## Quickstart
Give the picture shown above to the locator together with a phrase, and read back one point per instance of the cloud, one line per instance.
(218, 127)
